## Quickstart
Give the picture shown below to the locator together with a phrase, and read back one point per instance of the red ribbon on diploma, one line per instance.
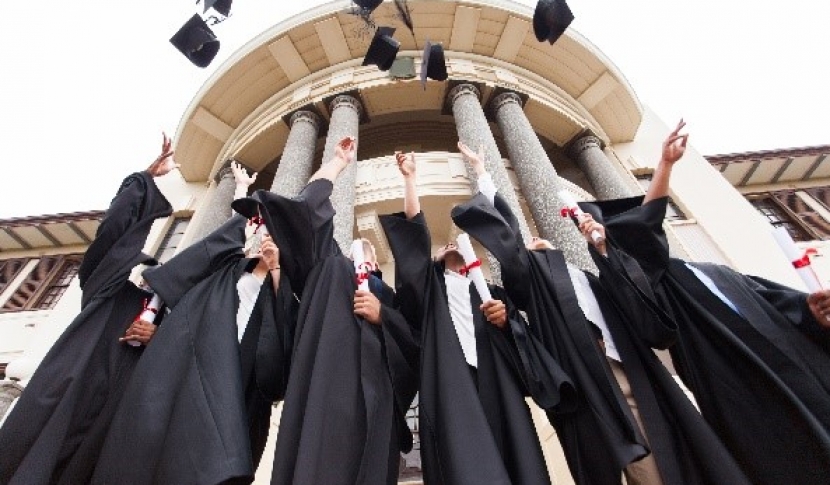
(365, 269)
(565, 212)
(257, 221)
(804, 261)
(466, 269)
(146, 306)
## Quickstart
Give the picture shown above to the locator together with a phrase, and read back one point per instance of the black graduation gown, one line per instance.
(191, 413)
(761, 378)
(473, 429)
(351, 382)
(685, 448)
(55, 431)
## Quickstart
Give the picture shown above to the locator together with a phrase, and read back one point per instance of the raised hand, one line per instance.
(346, 150)
(240, 174)
(475, 159)
(164, 163)
(406, 163)
(675, 145)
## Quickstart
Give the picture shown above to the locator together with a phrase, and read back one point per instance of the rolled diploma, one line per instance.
(793, 254)
(148, 316)
(359, 268)
(571, 204)
(465, 247)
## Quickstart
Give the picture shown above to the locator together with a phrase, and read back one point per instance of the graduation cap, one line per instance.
(196, 41)
(550, 20)
(221, 6)
(383, 49)
(368, 4)
(433, 65)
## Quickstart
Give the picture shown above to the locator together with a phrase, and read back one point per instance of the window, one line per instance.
(171, 240)
(61, 281)
(45, 284)
(779, 216)
(673, 212)
(9, 269)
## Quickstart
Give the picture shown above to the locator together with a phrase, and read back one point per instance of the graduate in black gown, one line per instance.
(629, 404)
(198, 408)
(474, 421)
(753, 352)
(354, 372)
(54, 433)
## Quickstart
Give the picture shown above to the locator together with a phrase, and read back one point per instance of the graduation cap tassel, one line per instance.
(406, 17)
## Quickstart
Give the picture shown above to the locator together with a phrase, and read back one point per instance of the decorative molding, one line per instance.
(305, 116)
(346, 101)
(463, 89)
(582, 143)
(225, 171)
(503, 99)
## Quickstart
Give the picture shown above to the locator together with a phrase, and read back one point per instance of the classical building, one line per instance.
(791, 189)
(550, 117)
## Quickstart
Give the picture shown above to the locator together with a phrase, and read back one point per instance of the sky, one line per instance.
(87, 87)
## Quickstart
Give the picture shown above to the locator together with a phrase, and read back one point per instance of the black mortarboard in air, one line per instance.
(221, 6)
(550, 20)
(433, 65)
(383, 49)
(196, 41)
(368, 4)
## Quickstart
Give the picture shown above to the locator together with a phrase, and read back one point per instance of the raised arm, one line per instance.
(674, 147)
(124, 229)
(344, 154)
(476, 160)
(411, 202)
(242, 179)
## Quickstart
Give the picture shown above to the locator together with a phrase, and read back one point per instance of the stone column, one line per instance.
(473, 130)
(297, 158)
(217, 209)
(538, 179)
(9, 391)
(607, 182)
(345, 118)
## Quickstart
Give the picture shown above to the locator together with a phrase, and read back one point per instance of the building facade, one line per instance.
(550, 117)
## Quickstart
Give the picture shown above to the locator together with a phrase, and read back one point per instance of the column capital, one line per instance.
(346, 101)
(461, 90)
(305, 116)
(504, 99)
(226, 172)
(584, 142)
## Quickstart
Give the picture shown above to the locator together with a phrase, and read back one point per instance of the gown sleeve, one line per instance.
(628, 289)
(496, 228)
(172, 280)
(793, 305)
(409, 241)
(636, 230)
(121, 236)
